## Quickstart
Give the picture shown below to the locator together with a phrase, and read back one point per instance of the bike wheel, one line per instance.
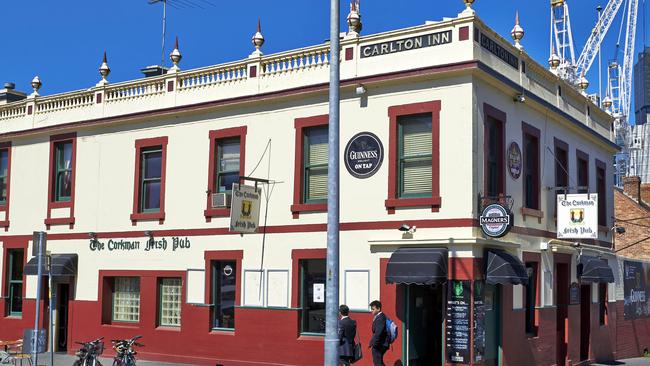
(117, 363)
(77, 363)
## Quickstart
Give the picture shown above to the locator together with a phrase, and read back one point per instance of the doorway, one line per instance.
(63, 300)
(492, 304)
(424, 325)
(585, 321)
(562, 314)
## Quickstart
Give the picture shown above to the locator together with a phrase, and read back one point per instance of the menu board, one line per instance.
(636, 284)
(479, 321)
(458, 321)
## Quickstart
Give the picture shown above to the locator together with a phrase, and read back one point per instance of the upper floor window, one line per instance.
(494, 158)
(561, 164)
(315, 157)
(62, 171)
(14, 281)
(602, 193)
(4, 175)
(531, 167)
(414, 155)
(227, 165)
(582, 164)
(150, 179)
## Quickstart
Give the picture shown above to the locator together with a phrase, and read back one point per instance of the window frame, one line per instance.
(306, 167)
(4, 205)
(532, 132)
(113, 286)
(298, 255)
(401, 161)
(222, 255)
(583, 157)
(601, 190)
(215, 135)
(559, 145)
(140, 146)
(300, 125)
(534, 259)
(497, 118)
(52, 203)
(159, 303)
(301, 295)
(8, 281)
(393, 200)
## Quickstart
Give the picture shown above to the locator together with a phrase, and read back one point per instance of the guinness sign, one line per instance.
(364, 154)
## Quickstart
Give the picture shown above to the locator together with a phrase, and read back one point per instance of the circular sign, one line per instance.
(495, 221)
(514, 160)
(227, 270)
(364, 154)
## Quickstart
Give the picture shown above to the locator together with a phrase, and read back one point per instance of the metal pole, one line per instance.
(50, 292)
(332, 293)
(38, 240)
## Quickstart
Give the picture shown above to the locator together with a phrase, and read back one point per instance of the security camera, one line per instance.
(360, 90)
(404, 227)
(620, 230)
(519, 98)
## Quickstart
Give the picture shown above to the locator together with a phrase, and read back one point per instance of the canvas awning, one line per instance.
(62, 265)
(594, 270)
(504, 268)
(417, 266)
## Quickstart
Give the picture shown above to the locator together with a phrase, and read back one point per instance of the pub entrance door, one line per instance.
(424, 331)
(492, 303)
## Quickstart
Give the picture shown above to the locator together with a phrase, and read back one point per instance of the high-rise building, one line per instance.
(642, 87)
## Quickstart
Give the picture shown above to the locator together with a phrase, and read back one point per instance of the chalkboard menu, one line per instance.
(479, 321)
(458, 321)
(574, 294)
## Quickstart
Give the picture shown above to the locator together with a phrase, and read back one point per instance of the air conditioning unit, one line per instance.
(221, 200)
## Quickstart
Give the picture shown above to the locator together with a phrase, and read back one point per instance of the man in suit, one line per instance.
(347, 332)
(379, 341)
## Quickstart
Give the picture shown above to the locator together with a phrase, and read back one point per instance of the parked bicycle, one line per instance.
(125, 353)
(89, 353)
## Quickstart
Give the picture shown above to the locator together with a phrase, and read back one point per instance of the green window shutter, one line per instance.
(316, 149)
(415, 156)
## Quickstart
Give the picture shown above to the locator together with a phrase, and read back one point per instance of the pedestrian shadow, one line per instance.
(398, 363)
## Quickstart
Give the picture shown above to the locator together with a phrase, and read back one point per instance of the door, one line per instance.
(62, 316)
(562, 301)
(424, 325)
(585, 321)
(492, 325)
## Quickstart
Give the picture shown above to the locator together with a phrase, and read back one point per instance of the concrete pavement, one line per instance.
(628, 362)
(61, 359)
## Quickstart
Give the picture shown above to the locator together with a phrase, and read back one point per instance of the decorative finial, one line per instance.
(468, 10)
(583, 83)
(36, 84)
(258, 39)
(554, 60)
(607, 102)
(354, 20)
(176, 57)
(104, 71)
(517, 33)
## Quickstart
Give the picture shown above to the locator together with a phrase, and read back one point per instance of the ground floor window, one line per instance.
(126, 299)
(224, 290)
(169, 311)
(14, 278)
(312, 295)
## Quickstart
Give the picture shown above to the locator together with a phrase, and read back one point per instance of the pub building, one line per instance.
(453, 143)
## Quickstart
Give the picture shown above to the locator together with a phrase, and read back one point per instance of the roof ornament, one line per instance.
(554, 60)
(354, 20)
(583, 84)
(468, 10)
(36, 84)
(104, 71)
(258, 40)
(176, 57)
(518, 33)
(607, 103)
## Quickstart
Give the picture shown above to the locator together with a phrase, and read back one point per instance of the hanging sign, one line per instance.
(495, 221)
(514, 160)
(245, 209)
(364, 154)
(577, 216)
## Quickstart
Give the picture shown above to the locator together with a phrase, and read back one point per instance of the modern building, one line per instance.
(642, 87)
(132, 183)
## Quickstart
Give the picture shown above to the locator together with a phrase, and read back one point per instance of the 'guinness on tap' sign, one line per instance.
(364, 154)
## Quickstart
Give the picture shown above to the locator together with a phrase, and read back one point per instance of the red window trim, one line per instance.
(435, 201)
(215, 135)
(215, 255)
(4, 290)
(529, 130)
(581, 155)
(298, 206)
(600, 165)
(49, 221)
(528, 257)
(500, 118)
(296, 256)
(5, 207)
(139, 146)
(557, 146)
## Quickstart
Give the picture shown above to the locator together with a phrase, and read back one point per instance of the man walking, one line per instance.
(347, 332)
(379, 341)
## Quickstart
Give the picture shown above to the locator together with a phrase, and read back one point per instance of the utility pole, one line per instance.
(38, 249)
(164, 28)
(332, 284)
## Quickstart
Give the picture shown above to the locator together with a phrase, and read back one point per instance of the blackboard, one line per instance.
(574, 294)
(458, 321)
(479, 321)
(28, 336)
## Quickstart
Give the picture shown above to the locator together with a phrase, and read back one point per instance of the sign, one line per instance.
(636, 284)
(500, 52)
(574, 294)
(479, 321)
(495, 220)
(406, 44)
(28, 341)
(364, 154)
(245, 209)
(319, 292)
(577, 216)
(514, 160)
(458, 318)
(173, 244)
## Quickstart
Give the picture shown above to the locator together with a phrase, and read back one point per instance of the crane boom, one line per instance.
(628, 61)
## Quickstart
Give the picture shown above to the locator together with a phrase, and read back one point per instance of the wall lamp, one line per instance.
(360, 90)
(407, 231)
(149, 234)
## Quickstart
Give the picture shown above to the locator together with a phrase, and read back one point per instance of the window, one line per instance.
(224, 289)
(126, 299)
(315, 165)
(312, 295)
(149, 190)
(227, 165)
(14, 278)
(62, 171)
(169, 312)
(561, 168)
(414, 154)
(583, 171)
(531, 167)
(61, 181)
(494, 158)
(602, 303)
(602, 193)
(4, 176)
(531, 299)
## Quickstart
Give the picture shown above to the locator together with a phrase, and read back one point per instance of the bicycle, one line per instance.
(89, 352)
(125, 353)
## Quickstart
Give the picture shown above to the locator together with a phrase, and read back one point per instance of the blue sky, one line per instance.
(63, 41)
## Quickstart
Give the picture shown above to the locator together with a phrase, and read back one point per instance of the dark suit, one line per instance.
(347, 332)
(379, 341)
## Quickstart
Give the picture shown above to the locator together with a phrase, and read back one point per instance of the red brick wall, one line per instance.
(635, 218)
(632, 336)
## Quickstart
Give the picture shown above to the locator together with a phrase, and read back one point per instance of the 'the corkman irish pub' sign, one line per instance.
(406, 44)
(577, 216)
(364, 155)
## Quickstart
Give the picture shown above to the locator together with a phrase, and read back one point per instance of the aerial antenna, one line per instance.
(164, 28)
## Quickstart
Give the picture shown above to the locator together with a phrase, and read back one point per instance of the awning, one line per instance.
(62, 265)
(505, 268)
(594, 269)
(417, 266)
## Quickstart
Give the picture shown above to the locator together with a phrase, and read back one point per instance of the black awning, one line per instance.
(505, 268)
(417, 266)
(62, 265)
(595, 270)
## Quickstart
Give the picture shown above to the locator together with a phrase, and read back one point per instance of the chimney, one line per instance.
(9, 94)
(632, 187)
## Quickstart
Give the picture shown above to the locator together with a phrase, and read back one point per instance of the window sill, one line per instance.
(297, 209)
(393, 203)
(311, 337)
(59, 221)
(209, 213)
(4, 224)
(525, 211)
(13, 317)
(168, 328)
(61, 204)
(123, 325)
(135, 217)
(222, 331)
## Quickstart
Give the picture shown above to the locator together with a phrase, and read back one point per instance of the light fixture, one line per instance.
(405, 227)
(407, 231)
(519, 98)
(619, 230)
(360, 90)
(92, 235)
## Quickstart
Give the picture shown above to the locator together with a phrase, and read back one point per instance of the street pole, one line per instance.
(49, 287)
(38, 241)
(332, 285)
